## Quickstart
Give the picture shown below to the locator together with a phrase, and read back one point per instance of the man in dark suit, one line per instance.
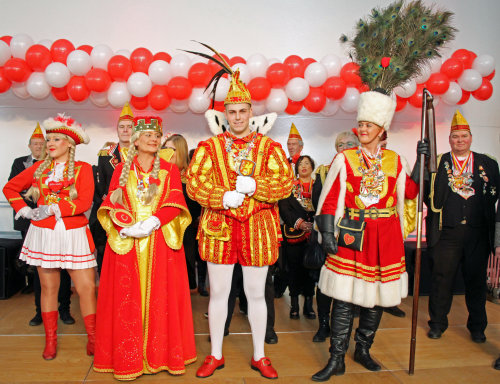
(37, 147)
(461, 199)
(110, 156)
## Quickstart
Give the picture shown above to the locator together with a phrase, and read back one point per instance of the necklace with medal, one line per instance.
(303, 194)
(460, 175)
(57, 181)
(239, 156)
(142, 180)
(372, 177)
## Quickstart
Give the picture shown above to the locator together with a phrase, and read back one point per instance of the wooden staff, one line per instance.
(427, 133)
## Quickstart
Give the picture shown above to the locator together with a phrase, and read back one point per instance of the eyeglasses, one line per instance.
(349, 144)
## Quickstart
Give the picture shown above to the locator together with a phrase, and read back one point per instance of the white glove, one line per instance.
(42, 212)
(150, 224)
(141, 229)
(131, 231)
(245, 185)
(232, 199)
(25, 213)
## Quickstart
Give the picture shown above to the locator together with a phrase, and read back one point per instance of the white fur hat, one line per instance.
(377, 108)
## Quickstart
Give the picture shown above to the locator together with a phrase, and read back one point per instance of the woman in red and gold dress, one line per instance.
(58, 236)
(144, 321)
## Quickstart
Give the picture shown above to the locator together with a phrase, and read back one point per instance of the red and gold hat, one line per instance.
(238, 91)
(126, 113)
(67, 126)
(294, 133)
(148, 123)
(459, 123)
(37, 133)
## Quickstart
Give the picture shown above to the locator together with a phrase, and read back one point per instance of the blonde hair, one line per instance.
(346, 134)
(117, 195)
(33, 192)
(181, 151)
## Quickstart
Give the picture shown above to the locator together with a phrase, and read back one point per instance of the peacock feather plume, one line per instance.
(392, 45)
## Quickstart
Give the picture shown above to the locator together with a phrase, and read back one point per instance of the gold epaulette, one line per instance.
(104, 151)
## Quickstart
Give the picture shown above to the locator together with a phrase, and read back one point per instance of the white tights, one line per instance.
(254, 282)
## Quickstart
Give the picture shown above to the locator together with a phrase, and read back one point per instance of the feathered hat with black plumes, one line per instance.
(391, 46)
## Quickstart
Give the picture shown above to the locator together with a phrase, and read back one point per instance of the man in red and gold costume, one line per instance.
(238, 176)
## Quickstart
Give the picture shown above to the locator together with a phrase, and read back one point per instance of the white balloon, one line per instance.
(57, 74)
(123, 52)
(435, 64)
(198, 59)
(257, 65)
(19, 89)
(139, 84)
(331, 107)
(453, 95)
(272, 60)
(297, 89)
(406, 89)
(20, 44)
(180, 64)
(350, 101)
(118, 94)
(47, 43)
(333, 65)
(79, 62)
(4, 52)
(470, 80)
(100, 56)
(425, 73)
(244, 72)
(199, 101)
(222, 89)
(99, 98)
(258, 107)
(315, 74)
(37, 86)
(484, 64)
(159, 72)
(277, 101)
(179, 106)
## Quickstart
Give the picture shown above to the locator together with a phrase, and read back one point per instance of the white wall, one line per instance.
(273, 28)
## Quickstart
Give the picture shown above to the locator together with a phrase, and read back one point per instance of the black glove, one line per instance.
(423, 148)
(326, 225)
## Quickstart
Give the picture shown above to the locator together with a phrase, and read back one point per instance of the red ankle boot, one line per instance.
(50, 324)
(89, 321)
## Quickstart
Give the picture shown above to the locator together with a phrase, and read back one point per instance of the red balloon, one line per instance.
(294, 107)
(38, 57)
(162, 56)
(97, 80)
(237, 60)
(363, 88)
(60, 94)
(400, 103)
(452, 68)
(465, 56)
(119, 68)
(77, 89)
(316, 100)
(6, 38)
(199, 74)
(141, 58)
(17, 70)
(350, 74)
(158, 97)
(484, 92)
(438, 83)
(179, 88)
(215, 67)
(4, 82)
(139, 103)
(307, 61)
(86, 48)
(259, 88)
(416, 98)
(465, 97)
(296, 66)
(490, 76)
(60, 50)
(278, 75)
(335, 88)
(219, 106)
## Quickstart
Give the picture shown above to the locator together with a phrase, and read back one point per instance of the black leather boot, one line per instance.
(308, 308)
(294, 309)
(323, 330)
(339, 341)
(369, 320)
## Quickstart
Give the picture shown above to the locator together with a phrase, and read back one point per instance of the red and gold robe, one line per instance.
(144, 318)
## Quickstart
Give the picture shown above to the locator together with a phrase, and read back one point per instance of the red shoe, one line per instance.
(209, 366)
(89, 321)
(50, 325)
(265, 368)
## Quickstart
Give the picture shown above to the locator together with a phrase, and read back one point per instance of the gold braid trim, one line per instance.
(431, 195)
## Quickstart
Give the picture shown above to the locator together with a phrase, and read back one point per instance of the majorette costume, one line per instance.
(373, 185)
(144, 322)
(294, 134)
(242, 231)
(460, 220)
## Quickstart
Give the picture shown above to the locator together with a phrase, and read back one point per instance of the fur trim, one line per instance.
(376, 108)
(218, 124)
(66, 125)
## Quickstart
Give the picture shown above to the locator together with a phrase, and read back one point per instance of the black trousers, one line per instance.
(64, 291)
(193, 261)
(300, 278)
(468, 246)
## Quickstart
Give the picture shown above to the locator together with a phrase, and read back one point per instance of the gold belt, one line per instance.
(373, 213)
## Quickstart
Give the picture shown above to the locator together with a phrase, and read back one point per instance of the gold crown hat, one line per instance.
(67, 126)
(238, 91)
(148, 123)
(37, 133)
(294, 133)
(459, 123)
(126, 113)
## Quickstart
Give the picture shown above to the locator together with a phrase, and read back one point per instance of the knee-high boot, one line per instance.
(341, 328)
(50, 325)
(89, 321)
(369, 320)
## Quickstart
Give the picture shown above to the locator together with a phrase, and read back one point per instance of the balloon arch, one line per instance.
(160, 81)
